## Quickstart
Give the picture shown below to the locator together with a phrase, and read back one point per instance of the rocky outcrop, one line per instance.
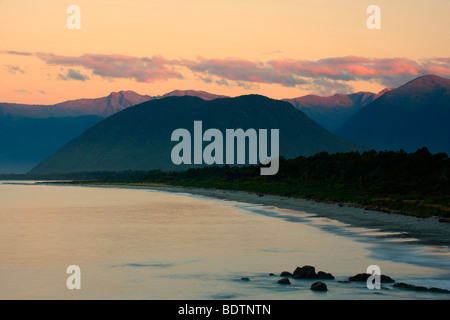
(284, 281)
(319, 286)
(362, 277)
(419, 288)
(305, 272)
(324, 275)
(309, 272)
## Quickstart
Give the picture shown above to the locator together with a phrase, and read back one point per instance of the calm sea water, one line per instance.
(146, 244)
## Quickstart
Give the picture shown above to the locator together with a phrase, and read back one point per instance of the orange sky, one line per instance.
(279, 48)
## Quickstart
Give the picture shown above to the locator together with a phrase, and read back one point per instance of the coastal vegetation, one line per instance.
(415, 184)
(396, 182)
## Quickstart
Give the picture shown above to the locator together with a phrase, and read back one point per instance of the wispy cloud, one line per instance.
(14, 69)
(243, 70)
(389, 72)
(19, 53)
(328, 75)
(22, 91)
(117, 66)
(73, 75)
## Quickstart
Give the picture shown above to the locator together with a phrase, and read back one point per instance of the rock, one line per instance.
(362, 277)
(419, 288)
(305, 272)
(445, 220)
(271, 274)
(286, 274)
(319, 286)
(284, 281)
(439, 290)
(324, 275)
(245, 279)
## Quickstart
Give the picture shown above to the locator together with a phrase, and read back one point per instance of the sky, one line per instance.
(277, 48)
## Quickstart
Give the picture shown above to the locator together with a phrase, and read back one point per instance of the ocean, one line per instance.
(134, 243)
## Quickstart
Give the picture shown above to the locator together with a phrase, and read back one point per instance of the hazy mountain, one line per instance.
(333, 111)
(102, 107)
(414, 115)
(139, 137)
(31, 133)
(27, 141)
(192, 93)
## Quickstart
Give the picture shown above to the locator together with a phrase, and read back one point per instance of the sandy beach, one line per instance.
(426, 230)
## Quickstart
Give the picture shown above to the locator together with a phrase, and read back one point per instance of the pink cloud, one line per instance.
(328, 72)
(117, 66)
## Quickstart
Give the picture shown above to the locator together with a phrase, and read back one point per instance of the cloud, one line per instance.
(386, 71)
(20, 53)
(14, 69)
(222, 82)
(73, 75)
(242, 70)
(327, 75)
(324, 87)
(42, 91)
(22, 91)
(205, 79)
(117, 66)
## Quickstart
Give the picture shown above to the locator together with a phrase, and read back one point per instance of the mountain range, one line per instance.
(409, 117)
(139, 138)
(102, 107)
(412, 116)
(31, 133)
(333, 111)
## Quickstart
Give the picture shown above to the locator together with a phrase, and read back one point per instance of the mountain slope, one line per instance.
(27, 141)
(139, 137)
(414, 115)
(34, 132)
(333, 111)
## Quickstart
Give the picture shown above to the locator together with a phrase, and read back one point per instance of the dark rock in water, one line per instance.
(445, 220)
(284, 281)
(308, 272)
(286, 274)
(324, 275)
(305, 272)
(271, 274)
(362, 277)
(419, 288)
(439, 290)
(245, 279)
(319, 286)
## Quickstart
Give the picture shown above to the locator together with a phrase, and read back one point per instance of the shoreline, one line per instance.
(427, 231)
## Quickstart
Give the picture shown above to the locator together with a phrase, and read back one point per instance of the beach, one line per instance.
(427, 231)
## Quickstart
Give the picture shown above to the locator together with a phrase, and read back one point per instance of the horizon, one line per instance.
(213, 93)
(318, 48)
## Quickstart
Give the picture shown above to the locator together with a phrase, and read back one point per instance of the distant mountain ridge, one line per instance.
(102, 107)
(333, 111)
(412, 116)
